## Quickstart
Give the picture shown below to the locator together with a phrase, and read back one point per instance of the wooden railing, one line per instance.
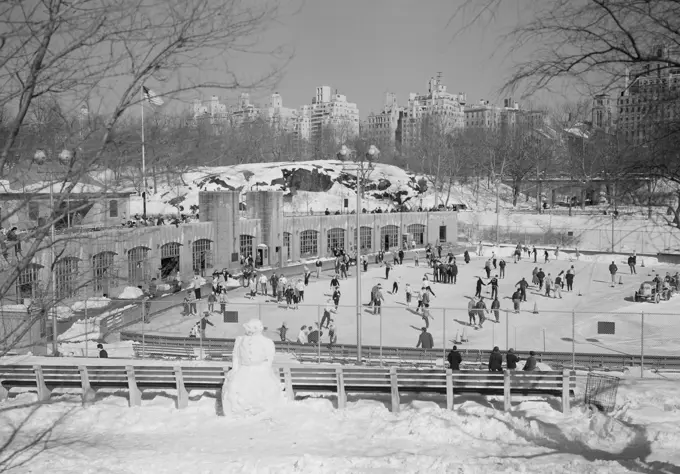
(339, 380)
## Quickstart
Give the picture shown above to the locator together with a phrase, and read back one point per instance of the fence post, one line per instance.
(318, 326)
(642, 344)
(380, 341)
(143, 325)
(573, 340)
(87, 329)
(507, 329)
(444, 337)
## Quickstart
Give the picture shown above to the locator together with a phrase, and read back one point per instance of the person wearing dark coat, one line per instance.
(480, 283)
(496, 360)
(455, 358)
(511, 359)
(530, 364)
(466, 257)
(102, 352)
(425, 340)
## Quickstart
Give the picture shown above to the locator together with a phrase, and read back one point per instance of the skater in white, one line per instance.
(251, 387)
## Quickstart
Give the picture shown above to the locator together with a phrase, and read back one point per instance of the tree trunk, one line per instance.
(515, 192)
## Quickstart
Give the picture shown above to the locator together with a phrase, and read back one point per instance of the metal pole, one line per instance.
(612, 233)
(642, 344)
(543, 340)
(380, 337)
(493, 335)
(573, 340)
(498, 212)
(507, 329)
(515, 338)
(55, 331)
(141, 92)
(444, 335)
(143, 340)
(86, 327)
(358, 225)
(318, 325)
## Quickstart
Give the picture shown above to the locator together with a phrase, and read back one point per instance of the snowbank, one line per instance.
(95, 302)
(130, 293)
(90, 328)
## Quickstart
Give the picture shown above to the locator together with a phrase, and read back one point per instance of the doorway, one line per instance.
(442, 233)
(170, 260)
(262, 256)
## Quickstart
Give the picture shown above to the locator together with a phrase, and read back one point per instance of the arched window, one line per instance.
(365, 239)
(335, 239)
(170, 253)
(246, 246)
(417, 232)
(27, 282)
(309, 243)
(66, 278)
(286, 245)
(104, 272)
(389, 237)
(137, 265)
(201, 255)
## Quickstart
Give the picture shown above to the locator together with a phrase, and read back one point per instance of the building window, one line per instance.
(309, 243)
(27, 283)
(365, 239)
(104, 274)
(335, 239)
(33, 210)
(113, 208)
(417, 232)
(137, 265)
(66, 278)
(389, 236)
(201, 255)
(246, 245)
(286, 245)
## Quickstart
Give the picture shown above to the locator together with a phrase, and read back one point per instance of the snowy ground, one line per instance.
(310, 436)
(399, 326)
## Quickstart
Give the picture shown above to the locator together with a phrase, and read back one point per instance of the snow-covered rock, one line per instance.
(130, 293)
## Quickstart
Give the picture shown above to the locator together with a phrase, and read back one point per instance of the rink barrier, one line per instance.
(218, 348)
(339, 380)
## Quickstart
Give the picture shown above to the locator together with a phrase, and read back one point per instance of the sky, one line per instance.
(364, 48)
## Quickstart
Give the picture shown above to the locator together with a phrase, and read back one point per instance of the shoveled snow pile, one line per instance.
(313, 186)
(94, 302)
(130, 293)
(90, 328)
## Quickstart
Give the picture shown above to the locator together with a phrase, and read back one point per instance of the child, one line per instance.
(194, 330)
(420, 301)
(186, 309)
(409, 292)
(223, 302)
(282, 332)
(211, 302)
(415, 257)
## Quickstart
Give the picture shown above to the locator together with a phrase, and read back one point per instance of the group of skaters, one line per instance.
(495, 364)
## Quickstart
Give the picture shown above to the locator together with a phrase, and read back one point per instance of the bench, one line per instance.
(156, 351)
(342, 380)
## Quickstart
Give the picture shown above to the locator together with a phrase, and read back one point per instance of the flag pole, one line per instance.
(141, 91)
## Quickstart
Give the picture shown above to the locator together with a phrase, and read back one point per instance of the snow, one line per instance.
(260, 176)
(90, 328)
(311, 436)
(130, 293)
(94, 302)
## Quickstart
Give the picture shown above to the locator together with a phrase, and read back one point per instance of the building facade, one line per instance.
(384, 126)
(651, 96)
(332, 113)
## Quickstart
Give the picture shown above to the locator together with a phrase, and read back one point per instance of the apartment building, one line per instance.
(483, 115)
(651, 96)
(279, 117)
(384, 126)
(333, 113)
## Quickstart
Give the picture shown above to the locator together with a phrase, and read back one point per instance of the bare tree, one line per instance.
(56, 55)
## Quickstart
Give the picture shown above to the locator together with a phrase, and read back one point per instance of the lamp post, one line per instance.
(359, 167)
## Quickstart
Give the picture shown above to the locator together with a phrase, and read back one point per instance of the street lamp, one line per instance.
(345, 152)
(40, 157)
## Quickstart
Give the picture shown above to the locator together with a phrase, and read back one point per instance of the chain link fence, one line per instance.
(648, 241)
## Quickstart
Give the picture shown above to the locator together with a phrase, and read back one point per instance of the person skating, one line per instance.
(540, 276)
(482, 311)
(454, 272)
(335, 282)
(569, 278)
(378, 299)
(501, 266)
(336, 298)
(409, 294)
(318, 266)
(401, 257)
(480, 283)
(534, 278)
(425, 339)
(283, 330)
(487, 268)
(454, 358)
(466, 256)
(530, 364)
(558, 285)
(494, 286)
(546, 256)
(395, 285)
(535, 253)
(495, 360)
(472, 312)
(494, 260)
(548, 285)
(631, 265)
(516, 300)
(496, 308)
(307, 275)
(204, 323)
(388, 267)
(523, 284)
(612, 270)
(511, 359)
(326, 319)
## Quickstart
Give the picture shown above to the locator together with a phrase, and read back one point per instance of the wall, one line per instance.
(221, 209)
(267, 206)
(12, 325)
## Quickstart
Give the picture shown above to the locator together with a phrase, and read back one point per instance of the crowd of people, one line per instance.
(455, 359)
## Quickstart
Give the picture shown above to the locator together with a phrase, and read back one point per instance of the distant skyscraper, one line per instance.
(332, 113)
